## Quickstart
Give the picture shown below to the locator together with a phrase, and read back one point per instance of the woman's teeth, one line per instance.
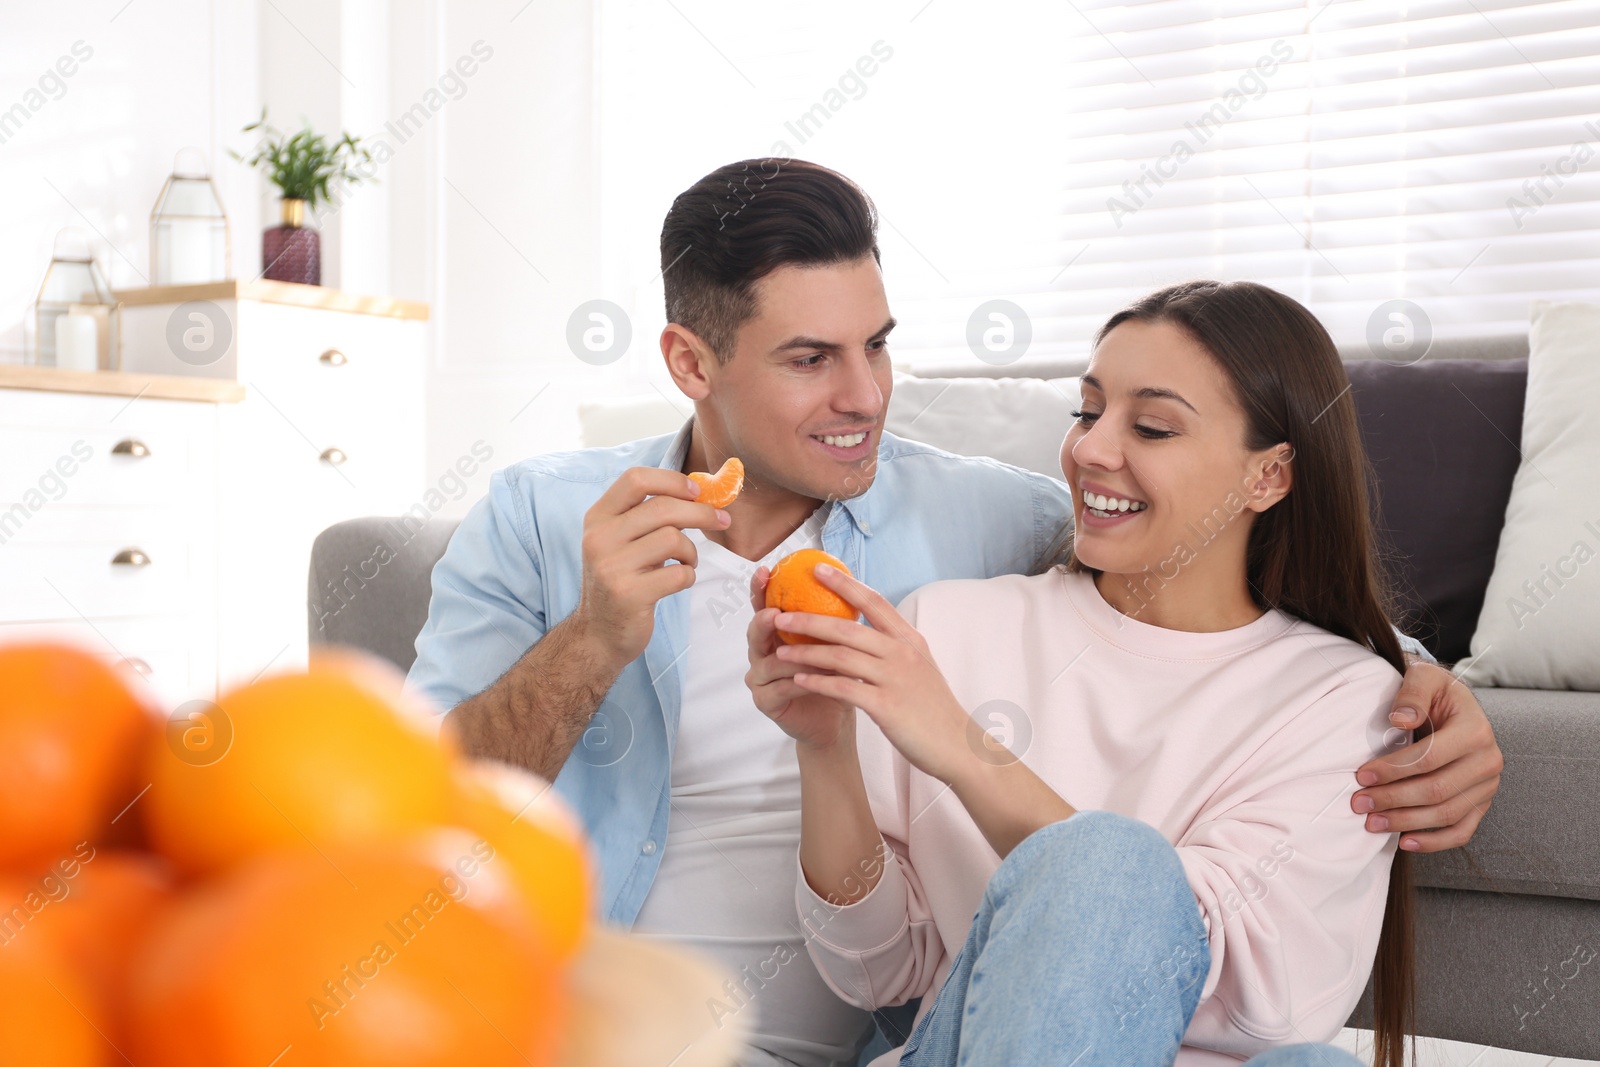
(847, 441)
(1111, 505)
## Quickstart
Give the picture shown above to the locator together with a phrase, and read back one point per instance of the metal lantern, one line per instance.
(73, 295)
(189, 238)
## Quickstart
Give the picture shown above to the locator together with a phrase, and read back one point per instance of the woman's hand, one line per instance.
(816, 721)
(886, 671)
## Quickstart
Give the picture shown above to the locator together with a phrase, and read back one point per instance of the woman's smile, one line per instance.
(1105, 507)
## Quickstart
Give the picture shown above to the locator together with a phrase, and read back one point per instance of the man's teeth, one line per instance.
(1100, 502)
(848, 441)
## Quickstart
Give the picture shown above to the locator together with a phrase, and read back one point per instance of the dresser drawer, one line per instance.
(355, 388)
(62, 564)
(176, 662)
(142, 463)
(297, 351)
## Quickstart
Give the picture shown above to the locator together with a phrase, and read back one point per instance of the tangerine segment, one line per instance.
(793, 586)
(722, 488)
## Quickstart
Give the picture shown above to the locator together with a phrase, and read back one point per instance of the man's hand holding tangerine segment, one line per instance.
(722, 488)
(538, 710)
(629, 535)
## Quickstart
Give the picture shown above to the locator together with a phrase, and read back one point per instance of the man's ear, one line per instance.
(1273, 477)
(689, 360)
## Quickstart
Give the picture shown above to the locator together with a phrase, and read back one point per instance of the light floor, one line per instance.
(1432, 1052)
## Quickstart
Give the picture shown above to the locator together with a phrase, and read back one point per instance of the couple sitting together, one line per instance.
(1192, 845)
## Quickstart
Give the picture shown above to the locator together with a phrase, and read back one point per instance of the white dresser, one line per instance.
(176, 532)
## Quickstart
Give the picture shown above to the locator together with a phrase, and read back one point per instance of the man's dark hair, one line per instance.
(741, 222)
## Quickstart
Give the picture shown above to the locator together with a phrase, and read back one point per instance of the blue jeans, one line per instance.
(1088, 949)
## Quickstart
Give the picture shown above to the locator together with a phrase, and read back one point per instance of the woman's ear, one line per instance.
(1273, 477)
(688, 360)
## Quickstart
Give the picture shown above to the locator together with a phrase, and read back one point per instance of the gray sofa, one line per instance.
(1508, 934)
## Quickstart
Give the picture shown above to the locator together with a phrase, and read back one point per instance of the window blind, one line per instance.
(1069, 157)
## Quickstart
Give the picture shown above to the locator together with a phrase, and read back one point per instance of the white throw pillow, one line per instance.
(1021, 421)
(1018, 420)
(616, 421)
(1540, 626)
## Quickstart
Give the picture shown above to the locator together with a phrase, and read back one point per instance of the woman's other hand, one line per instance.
(883, 669)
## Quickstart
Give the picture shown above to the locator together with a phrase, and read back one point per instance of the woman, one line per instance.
(1182, 699)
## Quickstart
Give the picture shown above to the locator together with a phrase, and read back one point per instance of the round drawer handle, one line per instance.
(131, 446)
(139, 665)
(131, 557)
(333, 358)
(333, 456)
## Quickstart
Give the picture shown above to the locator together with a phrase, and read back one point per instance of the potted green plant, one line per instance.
(305, 167)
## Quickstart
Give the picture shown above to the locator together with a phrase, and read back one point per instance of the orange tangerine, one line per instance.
(538, 839)
(720, 489)
(89, 911)
(379, 954)
(104, 918)
(316, 756)
(46, 1004)
(793, 586)
(69, 724)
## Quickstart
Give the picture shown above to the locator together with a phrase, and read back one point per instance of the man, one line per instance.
(589, 617)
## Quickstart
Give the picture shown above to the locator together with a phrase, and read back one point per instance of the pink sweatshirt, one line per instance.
(1240, 747)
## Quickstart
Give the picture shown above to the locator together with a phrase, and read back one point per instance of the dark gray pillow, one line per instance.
(1445, 439)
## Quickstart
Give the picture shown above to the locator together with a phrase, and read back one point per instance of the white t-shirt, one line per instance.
(726, 882)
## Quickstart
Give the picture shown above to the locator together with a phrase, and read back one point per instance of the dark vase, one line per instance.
(290, 252)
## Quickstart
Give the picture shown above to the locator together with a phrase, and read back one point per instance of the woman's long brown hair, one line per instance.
(1314, 554)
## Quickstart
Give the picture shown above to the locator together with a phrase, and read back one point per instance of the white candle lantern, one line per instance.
(74, 285)
(189, 238)
(77, 341)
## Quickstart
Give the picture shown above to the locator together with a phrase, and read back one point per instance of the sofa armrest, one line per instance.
(1539, 835)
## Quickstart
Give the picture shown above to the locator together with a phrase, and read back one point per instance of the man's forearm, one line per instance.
(535, 713)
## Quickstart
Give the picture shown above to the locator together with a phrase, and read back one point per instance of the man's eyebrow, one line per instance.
(1148, 392)
(829, 346)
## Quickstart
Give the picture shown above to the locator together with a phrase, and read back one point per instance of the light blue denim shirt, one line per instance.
(514, 569)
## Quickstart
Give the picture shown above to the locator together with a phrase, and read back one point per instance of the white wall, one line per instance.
(92, 150)
(496, 218)
(484, 179)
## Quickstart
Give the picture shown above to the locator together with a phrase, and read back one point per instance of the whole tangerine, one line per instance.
(90, 912)
(540, 841)
(45, 1003)
(103, 917)
(69, 725)
(317, 756)
(383, 954)
(793, 586)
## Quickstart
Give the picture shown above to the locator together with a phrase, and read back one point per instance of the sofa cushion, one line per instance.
(1021, 421)
(1541, 614)
(1443, 436)
(1539, 835)
(370, 583)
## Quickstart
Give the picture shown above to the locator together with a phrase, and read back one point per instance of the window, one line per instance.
(1071, 156)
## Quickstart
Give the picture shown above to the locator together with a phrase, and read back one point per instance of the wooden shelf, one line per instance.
(311, 296)
(116, 383)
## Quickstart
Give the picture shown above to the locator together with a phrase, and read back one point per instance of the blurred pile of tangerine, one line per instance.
(301, 874)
